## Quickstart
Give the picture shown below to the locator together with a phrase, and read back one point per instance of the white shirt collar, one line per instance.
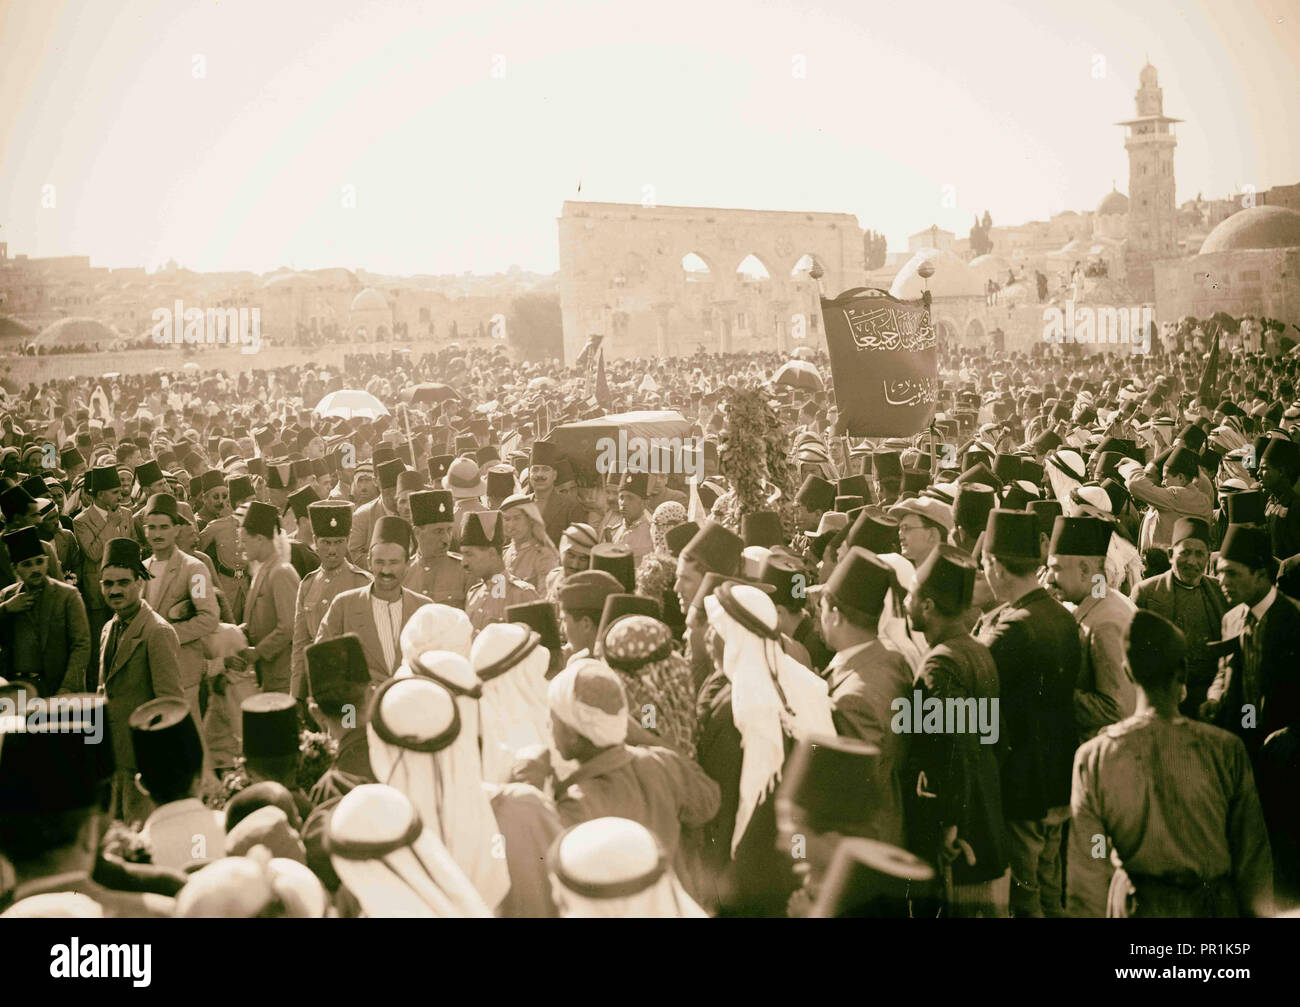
(1261, 607)
(843, 657)
(375, 599)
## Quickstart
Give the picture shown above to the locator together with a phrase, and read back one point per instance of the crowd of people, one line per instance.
(1042, 659)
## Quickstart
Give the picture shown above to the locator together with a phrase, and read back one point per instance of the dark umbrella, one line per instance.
(430, 391)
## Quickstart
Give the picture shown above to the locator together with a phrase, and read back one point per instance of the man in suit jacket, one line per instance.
(268, 611)
(44, 637)
(331, 523)
(866, 676)
(101, 521)
(1076, 572)
(1257, 689)
(181, 590)
(140, 659)
(378, 611)
(1193, 602)
(558, 511)
(953, 787)
(1035, 645)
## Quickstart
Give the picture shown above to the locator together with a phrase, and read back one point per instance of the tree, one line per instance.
(979, 236)
(873, 249)
(987, 223)
(536, 327)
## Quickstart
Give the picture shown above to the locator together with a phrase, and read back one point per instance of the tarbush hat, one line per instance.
(1190, 528)
(949, 574)
(816, 494)
(715, 548)
(615, 559)
(1248, 545)
(1080, 536)
(330, 518)
(762, 528)
(261, 519)
(1011, 534)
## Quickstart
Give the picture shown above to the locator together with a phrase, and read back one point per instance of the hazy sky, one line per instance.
(463, 127)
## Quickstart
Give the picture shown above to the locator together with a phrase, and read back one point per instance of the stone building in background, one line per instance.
(669, 280)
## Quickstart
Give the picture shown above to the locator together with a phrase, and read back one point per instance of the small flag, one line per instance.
(695, 507)
(602, 387)
(1210, 376)
(588, 353)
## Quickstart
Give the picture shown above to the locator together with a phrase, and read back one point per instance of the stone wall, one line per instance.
(1262, 281)
(621, 276)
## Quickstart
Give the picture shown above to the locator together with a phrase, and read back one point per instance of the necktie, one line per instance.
(1250, 641)
(110, 651)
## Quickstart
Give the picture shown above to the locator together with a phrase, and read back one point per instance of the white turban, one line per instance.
(436, 627)
(613, 868)
(588, 697)
(424, 742)
(394, 866)
(513, 712)
(756, 666)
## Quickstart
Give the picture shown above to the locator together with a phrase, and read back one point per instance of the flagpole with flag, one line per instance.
(1210, 375)
(602, 387)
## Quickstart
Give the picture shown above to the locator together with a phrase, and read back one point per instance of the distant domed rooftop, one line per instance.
(1258, 227)
(369, 299)
(989, 266)
(76, 332)
(1113, 202)
(291, 281)
(952, 277)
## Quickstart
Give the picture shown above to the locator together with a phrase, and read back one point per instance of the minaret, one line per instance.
(1152, 215)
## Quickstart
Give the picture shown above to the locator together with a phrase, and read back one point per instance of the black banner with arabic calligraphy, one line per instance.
(884, 363)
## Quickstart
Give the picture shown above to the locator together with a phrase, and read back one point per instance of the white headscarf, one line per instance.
(406, 872)
(436, 627)
(513, 712)
(569, 695)
(755, 666)
(445, 784)
(595, 863)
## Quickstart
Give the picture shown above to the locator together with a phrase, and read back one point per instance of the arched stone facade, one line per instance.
(621, 275)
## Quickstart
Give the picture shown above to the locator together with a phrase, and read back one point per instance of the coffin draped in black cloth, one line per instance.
(884, 363)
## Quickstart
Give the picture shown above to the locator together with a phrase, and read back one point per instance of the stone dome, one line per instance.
(1258, 227)
(74, 332)
(1113, 202)
(291, 281)
(369, 299)
(990, 266)
(952, 277)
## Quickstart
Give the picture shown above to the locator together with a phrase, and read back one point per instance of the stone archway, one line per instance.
(596, 239)
(975, 335)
